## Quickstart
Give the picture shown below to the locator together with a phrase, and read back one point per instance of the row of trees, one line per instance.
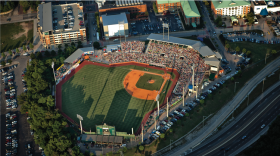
(7, 6)
(27, 4)
(47, 122)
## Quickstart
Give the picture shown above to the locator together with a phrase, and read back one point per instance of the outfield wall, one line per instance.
(145, 118)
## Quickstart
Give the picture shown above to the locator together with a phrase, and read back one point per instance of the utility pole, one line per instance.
(266, 56)
(183, 97)
(142, 133)
(167, 108)
(132, 130)
(263, 84)
(170, 144)
(248, 100)
(157, 98)
(155, 121)
(203, 120)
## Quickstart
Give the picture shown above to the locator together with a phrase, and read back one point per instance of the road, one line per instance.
(264, 112)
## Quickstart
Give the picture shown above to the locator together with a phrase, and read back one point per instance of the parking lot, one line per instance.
(154, 25)
(15, 131)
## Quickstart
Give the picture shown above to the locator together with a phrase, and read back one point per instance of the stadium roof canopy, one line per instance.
(45, 16)
(102, 138)
(77, 54)
(227, 4)
(212, 61)
(197, 45)
(114, 19)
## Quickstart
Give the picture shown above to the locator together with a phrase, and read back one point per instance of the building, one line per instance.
(115, 25)
(61, 24)
(188, 8)
(231, 8)
(100, 3)
(129, 7)
(270, 6)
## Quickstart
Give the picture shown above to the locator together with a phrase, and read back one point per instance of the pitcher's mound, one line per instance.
(151, 81)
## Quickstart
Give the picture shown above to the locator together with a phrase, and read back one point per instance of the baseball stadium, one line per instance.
(121, 89)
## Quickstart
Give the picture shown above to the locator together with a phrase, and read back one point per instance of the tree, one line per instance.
(17, 50)
(206, 3)
(227, 46)
(10, 52)
(3, 63)
(59, 46)
(248, 53)
(244, 50)
(124, 149)
(155, 7)
(53, 53)
(141, 148)
(72, 44)
(80, 45)
(24, 48)
(96, 45)
(201, 101)
(10, 61)
(47, 53)
(162, 135)
(170, 130)
(237, 49)
(39, 55)
(210, 96)
(232, 78)
(3, 55)
(273, 52)
(32, 56)
(187, 114)
(31, 46)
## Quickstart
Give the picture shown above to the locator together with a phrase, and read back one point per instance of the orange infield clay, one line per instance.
(132, 78)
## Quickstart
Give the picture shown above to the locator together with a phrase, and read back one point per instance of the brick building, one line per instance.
(61, 24)
(230, 8)
(188, 8)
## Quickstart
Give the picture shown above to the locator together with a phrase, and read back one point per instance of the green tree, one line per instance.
(210, 95)
(227, 46)
(124, 149)
(72, 44)
(201, 101)
(10, 52)
(53, 53)
(3, 63)
(31, 46)
(141, 148)
(171, 130)
(96, 45)
(273, 52)
(187, 115)
(10, 61)
(24, 48)
(206, 3)
(80, 45)
(244, 50)
(232, 78)
(39, 55)
(47, 53)
(162, 135)
(248, 53)
(155, 7)
(17, 50)
(237, 49)
(59, 46)
(32, 56)
(3, 55)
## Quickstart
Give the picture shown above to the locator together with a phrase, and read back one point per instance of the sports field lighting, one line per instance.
(167, 108)
(165, 25)
(80, 118)
(54, 82)
(157, 103)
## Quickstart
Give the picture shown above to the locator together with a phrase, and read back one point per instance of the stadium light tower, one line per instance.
(80, 118)
(193, 76)
(157, 103)
(167, 108)
(165, 25)
(54, 83)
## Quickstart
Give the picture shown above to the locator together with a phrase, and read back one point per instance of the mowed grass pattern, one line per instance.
(143, 82)
(98, 95)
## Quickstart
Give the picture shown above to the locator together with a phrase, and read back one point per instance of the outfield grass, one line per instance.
(144, 84)
(258, 51)
(7, 33)
(98, 95)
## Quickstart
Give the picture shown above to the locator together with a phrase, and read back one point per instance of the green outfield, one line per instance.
(143, 82)
(98, 95)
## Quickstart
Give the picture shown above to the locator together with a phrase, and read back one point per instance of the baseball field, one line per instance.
(107, 95)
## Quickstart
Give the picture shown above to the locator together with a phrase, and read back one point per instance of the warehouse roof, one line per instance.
(189, 7)
(114, 19)
(197, 45)
(45, 16)
(227, 4)
(77, 54)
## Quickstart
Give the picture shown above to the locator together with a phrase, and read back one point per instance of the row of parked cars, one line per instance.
(10, 91)
(11, 134)
(243, 33)
(23, 81)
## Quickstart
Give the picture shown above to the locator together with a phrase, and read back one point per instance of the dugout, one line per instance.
(102, 139)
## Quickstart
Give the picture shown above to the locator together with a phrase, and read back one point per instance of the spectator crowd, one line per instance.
(133, 46)
(167, 55)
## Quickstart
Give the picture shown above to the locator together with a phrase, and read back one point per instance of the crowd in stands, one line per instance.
(133, 46)
(168, 55)
(61, 70)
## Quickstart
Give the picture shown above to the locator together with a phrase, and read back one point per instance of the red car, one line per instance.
(10, 80)
(166, 120)
(6, 89)
(177, 117)
(183, 113)
(22, 75)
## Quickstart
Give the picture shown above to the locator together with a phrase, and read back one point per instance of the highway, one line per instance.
(250, 125)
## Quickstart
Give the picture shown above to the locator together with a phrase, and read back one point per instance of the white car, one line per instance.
(157, 132)
(170, 123)
(25, 54)
(263, 126)
(4, 73)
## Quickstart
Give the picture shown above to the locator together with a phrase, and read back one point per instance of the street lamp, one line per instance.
(235, 86)
(54, 83)
(80, 118)
(263, 84)
(170, 144)
(203, 120)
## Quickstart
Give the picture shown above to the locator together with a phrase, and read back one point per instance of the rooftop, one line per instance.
(114, 19)
(77, 54)
(256, 3)
(64, 16)
(45, 16)
(227, 4)
(189, 7)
